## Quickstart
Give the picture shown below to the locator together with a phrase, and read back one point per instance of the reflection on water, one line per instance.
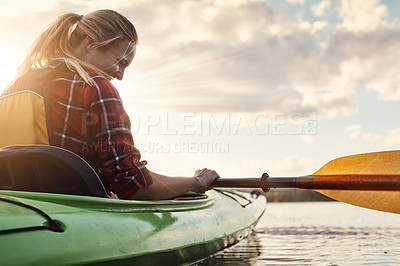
(242, 254)
(327, 233)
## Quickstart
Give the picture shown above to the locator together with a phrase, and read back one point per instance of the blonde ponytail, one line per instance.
(58, 41)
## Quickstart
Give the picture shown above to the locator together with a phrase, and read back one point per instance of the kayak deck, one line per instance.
(118, 232)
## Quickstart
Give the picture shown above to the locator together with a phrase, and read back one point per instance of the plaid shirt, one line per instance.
(91, 121)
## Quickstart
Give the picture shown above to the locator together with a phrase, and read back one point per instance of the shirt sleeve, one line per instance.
(109, 126)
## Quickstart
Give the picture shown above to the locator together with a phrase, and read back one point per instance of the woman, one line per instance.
(71, 64)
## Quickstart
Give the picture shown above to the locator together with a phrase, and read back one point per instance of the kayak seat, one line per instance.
(23, 119)
(48, 169)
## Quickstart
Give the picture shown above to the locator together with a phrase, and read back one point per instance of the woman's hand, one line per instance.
(166, 187)
(205, 177)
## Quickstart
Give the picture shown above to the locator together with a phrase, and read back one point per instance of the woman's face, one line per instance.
(113, 59)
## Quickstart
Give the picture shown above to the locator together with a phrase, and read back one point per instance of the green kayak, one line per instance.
(55, 228)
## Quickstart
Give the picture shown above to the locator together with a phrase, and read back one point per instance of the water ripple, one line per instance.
(329, 231)
(318, 234)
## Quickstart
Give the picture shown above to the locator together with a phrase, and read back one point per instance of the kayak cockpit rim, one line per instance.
(114, 205)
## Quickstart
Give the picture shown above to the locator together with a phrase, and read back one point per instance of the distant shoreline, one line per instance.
(295, 195)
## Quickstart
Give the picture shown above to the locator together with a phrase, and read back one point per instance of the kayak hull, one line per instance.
(124, 232)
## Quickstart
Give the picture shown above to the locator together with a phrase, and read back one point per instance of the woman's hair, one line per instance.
(59, 40)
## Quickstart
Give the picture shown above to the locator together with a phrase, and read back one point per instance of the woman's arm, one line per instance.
(165, 187)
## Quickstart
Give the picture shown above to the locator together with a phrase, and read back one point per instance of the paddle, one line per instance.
(370, 180)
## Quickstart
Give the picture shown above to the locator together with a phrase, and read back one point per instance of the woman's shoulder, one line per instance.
(93, 80)
(100, 83)
(64, 72)
(96, 77)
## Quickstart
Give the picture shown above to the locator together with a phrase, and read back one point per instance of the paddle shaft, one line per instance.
(338, 182)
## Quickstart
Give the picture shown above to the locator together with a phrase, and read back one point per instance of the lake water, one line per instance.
(321, 233)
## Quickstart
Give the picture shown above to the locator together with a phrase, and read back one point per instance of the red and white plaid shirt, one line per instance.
(91, 121)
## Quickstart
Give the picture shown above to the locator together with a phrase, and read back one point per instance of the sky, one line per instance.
(245, 86)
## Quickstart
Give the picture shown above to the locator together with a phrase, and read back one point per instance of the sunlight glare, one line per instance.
(11, 58)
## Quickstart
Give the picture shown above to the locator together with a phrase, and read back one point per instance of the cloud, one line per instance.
(371, 59)
(219, 57)
(362, 15)
(307, 139)
(389, 138)
(243, 56)
(357, 134)
(250, 57)
(392, 140)
(295, 1)
(293, 165)
(320, 8)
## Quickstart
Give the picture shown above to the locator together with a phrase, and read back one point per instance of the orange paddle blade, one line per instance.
(376, 163)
